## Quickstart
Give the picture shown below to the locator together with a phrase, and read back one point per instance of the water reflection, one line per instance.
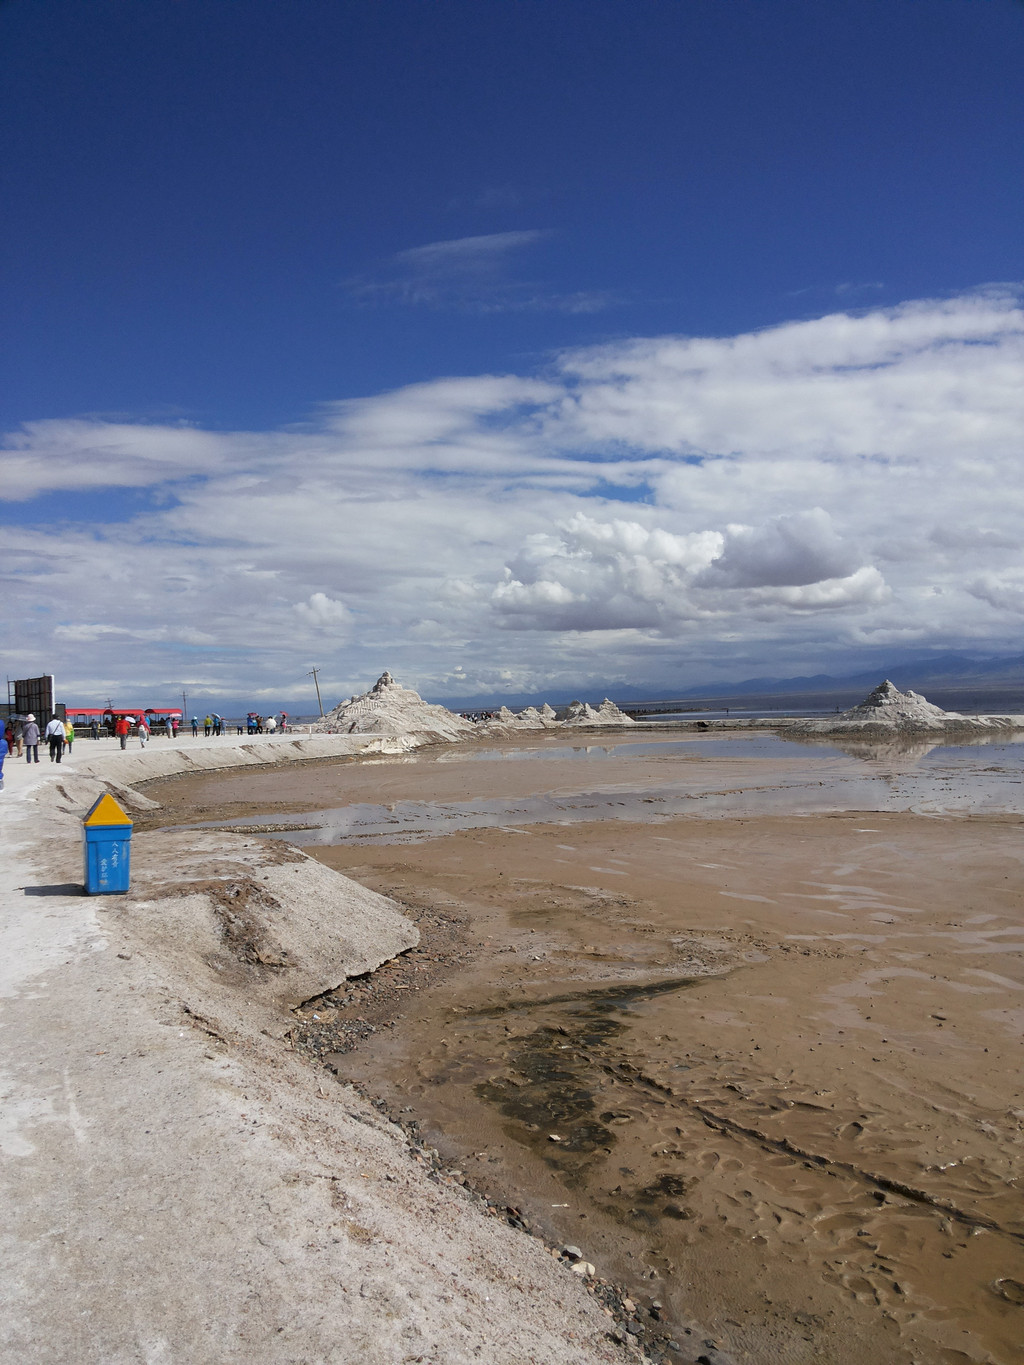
(907, 748)
(649, 782)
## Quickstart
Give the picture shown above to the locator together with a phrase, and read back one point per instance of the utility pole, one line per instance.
(184, 707)
(312, 674)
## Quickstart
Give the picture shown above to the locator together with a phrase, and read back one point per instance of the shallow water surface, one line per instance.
(434, 794)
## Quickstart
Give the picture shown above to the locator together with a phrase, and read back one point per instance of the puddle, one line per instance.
(528, 784)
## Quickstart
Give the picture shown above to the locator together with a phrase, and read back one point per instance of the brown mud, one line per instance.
(764, 1072)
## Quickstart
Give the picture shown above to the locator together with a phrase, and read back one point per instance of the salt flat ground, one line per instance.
(761, 1061)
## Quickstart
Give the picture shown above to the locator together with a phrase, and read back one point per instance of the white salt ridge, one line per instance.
(582, 713)
(388, 708)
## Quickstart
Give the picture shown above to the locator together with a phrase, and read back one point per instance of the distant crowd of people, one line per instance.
(254, 724)
(22, 736)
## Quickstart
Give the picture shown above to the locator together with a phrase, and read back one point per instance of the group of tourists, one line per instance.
(255, 724)
(21, 736)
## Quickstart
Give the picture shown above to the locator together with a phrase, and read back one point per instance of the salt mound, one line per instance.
(576, 714)
(887, 705)
(531, 718)
(388, 708)
(888, 710)
(582, 713)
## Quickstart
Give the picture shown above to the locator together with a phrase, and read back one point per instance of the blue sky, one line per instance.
(507, 345)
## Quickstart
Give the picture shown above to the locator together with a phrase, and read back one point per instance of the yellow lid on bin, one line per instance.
(106, 811)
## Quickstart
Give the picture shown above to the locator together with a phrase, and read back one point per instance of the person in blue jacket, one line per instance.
(5, 749)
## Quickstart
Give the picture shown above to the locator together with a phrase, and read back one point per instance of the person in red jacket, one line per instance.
(121, 728)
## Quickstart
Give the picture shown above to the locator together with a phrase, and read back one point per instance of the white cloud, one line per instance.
(662, 508)
(604, 575)
(893, 385)
(474, 274)
(462, 254)
(323, 612)
(788, 551)
(1005, 593)
(78, 455)
(866, 587)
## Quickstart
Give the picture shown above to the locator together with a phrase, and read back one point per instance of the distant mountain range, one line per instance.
(941, 674)
(954, 672)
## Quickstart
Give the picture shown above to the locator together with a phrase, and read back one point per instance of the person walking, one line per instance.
(169, 728)
(54, 735)
(5, 749)
(143, 732)
(94, 728)
(207, 726)
(30, 735)
(195, 726)
(121, 728)
(69, 735)
(19, 735)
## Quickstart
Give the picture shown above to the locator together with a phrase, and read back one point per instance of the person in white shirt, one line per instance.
(55, 737)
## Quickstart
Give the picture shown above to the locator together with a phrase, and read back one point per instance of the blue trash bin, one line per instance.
(106, 833)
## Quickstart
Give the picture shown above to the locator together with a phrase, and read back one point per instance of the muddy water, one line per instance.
(763, 1069)
(428, 795)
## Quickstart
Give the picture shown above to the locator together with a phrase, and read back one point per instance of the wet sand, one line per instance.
(764, 1070)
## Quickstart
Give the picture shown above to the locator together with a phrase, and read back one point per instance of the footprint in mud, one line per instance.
(680, 1211)
(1010, 1290)
(620, 1116)
(858, 1287)
(673, 1152)
(837, 1223)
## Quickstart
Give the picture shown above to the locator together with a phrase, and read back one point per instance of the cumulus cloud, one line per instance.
(1005, 593)
(323, 612)
(788, 551)
(660, 508)
(596, 575)
(608, 575)
(866, 587)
